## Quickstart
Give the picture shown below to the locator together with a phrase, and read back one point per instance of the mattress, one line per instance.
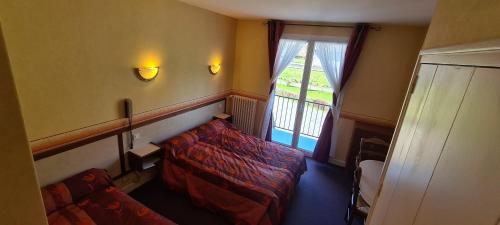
(90, 198)
(247, 180)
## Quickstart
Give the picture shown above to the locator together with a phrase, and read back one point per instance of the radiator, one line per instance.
(243, 111)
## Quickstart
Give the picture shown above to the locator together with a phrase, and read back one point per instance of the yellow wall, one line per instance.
(104, 153)
(463, 21)
(379, 81)
(19, 193)
(377, 85)
(72, 60)
(251, 69)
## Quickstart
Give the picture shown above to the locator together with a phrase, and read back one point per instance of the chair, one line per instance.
(369, 164)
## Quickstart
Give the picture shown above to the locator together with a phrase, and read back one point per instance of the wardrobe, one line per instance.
(443, 166)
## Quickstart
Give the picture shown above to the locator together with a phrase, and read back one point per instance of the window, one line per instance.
(304, 94)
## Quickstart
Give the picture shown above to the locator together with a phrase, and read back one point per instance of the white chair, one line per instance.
(369, 164)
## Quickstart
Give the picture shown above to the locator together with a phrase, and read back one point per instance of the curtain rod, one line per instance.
(376, 28)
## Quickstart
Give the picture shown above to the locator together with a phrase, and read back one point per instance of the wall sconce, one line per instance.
(147, 73)
(214, 68)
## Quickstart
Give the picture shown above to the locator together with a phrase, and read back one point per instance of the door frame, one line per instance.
(306, 75)
(311, 43)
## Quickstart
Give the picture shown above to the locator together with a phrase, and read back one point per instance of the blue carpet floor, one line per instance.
(320, 198)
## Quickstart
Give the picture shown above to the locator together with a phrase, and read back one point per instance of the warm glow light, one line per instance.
(214, 69)
(148, 73)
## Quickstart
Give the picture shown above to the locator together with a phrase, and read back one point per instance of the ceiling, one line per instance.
(338, 11)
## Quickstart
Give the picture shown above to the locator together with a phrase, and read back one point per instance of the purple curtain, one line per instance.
(275, 31)
(358, 36)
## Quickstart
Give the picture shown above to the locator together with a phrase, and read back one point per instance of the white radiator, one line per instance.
(243, 111)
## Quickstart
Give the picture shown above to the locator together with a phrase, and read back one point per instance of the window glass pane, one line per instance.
(319, 92)
(286, 99)
(318, 96)
(318, 100)
(319, 89)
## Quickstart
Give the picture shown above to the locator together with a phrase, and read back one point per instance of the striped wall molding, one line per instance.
(344, 114)
(55, 144)
(52, 145)
(262, 98)
(368, 119)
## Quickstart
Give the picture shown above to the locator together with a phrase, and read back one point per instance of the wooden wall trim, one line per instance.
(368, 119)
(45, 147)
(52, 145)
(481, 54)
(474, 59)
(344, 114)
(247, 94)
(476, 47)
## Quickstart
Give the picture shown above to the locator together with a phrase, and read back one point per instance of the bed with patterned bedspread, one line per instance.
(246, 179)
(90, 198)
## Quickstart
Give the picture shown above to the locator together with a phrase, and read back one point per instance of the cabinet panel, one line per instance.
(465, 187)
(437, 116)
(415, 105)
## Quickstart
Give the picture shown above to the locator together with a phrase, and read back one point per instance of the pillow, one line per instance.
(72, 189)
(212, 129)
(179, 143)
(209, 131)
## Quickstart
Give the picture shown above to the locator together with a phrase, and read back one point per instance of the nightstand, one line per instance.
(225, 117)
(143, 158)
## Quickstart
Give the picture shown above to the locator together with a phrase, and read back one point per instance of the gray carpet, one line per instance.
(320, 198)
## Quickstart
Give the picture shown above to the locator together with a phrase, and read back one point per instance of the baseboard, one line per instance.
(336, 162)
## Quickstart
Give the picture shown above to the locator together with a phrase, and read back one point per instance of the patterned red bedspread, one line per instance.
(89, 198)
(248, 180)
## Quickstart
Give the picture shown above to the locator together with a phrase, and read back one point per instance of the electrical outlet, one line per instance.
(136, 136)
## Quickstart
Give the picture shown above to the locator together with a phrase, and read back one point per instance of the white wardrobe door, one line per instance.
(415, 105)
(444, 98)
(465, 187)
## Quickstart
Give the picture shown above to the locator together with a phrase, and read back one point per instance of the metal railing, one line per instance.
(284, 113)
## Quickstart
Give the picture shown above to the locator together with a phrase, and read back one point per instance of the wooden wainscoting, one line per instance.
(59, 143)
(365, 130)
(52, 145)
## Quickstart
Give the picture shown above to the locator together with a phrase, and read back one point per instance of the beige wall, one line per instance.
(251, 63)
(251, 69)
(73, 63)
(104, 153)
(72, 60)
(378, 83)
(463, 21)
(19, 193)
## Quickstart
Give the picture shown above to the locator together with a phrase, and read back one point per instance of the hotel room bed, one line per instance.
(246, 179)
(90, 198)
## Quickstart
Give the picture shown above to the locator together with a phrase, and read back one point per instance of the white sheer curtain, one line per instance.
(331, 55)
(287, 50)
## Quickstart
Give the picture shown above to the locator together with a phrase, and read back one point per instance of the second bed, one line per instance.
(246, 179)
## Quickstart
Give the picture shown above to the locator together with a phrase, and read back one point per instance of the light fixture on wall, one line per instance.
(214, 68)
(147, 73)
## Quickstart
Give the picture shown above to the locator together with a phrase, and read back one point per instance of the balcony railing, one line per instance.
(284, 113)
